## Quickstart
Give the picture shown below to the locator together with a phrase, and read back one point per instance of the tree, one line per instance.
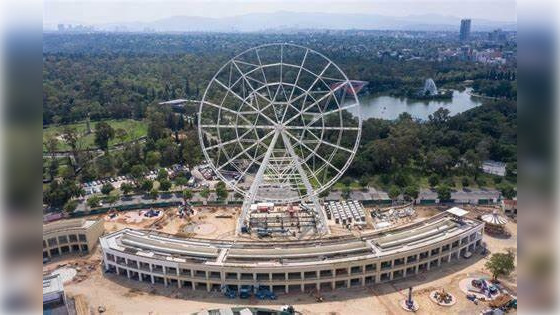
(121, 134)
(324, 193)
(221, 191)
(126, 188)
(165, 184)
(137, 171)
(411, 192)
(501, 264)
(394, 192)
(107, 188)
(153, 158)
(181, 181)
(93, 202)
(507, 190)
(103, 133)
(346, 192)
(70, 206)
(154, 193)
(444, 192)
(51, 144)
(187, 194)
(71, 137)
(205, 193)
(111, 199)
(364, 182)
(58, 193)
(162, 174)
(146, 185)
(433, 180)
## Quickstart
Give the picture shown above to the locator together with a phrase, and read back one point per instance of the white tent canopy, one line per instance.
(494, 218)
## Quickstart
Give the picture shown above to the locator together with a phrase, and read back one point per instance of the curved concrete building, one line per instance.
(70, 236)
(291, 266)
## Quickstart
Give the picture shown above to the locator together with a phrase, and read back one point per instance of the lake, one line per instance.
(389, 107)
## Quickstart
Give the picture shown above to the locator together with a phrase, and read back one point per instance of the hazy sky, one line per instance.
(108, 11)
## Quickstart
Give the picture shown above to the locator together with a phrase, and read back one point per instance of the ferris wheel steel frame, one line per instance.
(286, 151)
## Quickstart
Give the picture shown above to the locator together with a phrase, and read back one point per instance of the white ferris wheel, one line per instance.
(274, 126)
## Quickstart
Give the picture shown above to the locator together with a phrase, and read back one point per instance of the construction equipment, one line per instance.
(229, 292)
(245, 292)
(263, 293)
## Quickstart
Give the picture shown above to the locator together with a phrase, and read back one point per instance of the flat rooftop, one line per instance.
(52, 284)
(326, 250)
(67, 224)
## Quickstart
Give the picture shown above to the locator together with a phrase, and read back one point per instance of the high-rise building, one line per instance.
(465, 31)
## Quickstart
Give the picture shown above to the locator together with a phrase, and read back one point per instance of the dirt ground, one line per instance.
(119, 295)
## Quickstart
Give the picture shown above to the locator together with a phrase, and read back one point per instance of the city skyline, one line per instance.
(123, 11)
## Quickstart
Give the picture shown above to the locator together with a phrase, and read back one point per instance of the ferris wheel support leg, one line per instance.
(250, 199)
(323, 228)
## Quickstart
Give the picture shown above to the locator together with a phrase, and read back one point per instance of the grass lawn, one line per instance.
(134, 128)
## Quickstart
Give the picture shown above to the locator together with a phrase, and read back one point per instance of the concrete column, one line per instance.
(128, 273)
(404, 272)
(348, 283)
(179, 284)
(439, 262)
(317, 286)
(165, 281)
(193, 284)
(363, 281)
(378, 278)
(416, 269)
(153, 281)
(302, 288)
(390, 275)
(286, 288)
(151, 268)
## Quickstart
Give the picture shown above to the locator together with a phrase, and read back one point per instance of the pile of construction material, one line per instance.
(345, 212)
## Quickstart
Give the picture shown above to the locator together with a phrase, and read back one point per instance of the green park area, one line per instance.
(133, 129)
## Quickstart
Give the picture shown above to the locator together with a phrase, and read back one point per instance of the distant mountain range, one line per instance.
(294, 20)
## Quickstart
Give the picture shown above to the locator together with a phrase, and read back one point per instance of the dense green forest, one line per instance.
(119, 75)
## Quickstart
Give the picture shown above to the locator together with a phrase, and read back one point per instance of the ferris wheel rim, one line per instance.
(346, 82)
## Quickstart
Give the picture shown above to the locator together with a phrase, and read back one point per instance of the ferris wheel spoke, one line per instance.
(245, 102)
(237, 113)
(263, 127)
(314, 153)
(222, 144)
(262, 70)
(243, 75)
(339, 109)
(330, 93)
(336, 146)
(320, 128)
(258, 141)
(298, 164)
